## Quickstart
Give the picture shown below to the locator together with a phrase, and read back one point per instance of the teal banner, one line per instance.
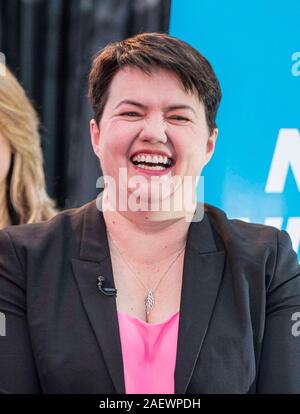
(254, 48)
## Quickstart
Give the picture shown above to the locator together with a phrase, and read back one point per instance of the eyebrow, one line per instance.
(168, 108)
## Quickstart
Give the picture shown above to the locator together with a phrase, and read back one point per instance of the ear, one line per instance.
(210, 145)
(95, 136)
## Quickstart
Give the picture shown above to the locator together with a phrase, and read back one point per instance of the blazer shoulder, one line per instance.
(255, 246)
(62, 224)
(231, 230)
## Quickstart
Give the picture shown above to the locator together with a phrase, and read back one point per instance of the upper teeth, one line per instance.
(151, 158)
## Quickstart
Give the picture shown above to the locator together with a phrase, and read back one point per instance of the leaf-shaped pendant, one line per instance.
(149, 302)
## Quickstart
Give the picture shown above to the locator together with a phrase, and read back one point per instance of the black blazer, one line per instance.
(241, 288)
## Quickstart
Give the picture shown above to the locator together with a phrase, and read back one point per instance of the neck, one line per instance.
(4, 216)
(148, 236)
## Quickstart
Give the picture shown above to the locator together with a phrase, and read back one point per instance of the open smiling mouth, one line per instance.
(152, 162)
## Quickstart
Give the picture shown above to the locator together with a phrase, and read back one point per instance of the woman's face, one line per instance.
(151, 115)
(5, 158)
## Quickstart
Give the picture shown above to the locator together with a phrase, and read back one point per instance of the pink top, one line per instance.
(149, 354)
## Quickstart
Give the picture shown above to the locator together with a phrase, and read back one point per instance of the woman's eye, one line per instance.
(130, 114)
(179, 118)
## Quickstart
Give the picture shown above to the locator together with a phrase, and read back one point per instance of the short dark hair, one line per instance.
(146, 51)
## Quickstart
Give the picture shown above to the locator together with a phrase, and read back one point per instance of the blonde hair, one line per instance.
(19, 125)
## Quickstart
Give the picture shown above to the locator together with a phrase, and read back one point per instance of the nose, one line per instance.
(154, 130)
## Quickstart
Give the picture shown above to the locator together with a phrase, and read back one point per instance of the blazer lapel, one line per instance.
(101, 310)
(202, 274)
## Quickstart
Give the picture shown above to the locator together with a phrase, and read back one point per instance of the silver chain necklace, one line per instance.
(149, 300)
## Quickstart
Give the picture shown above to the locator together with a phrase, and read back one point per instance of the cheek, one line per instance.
(117, 140)
(192, 157)
(192, 150)
(114, 146)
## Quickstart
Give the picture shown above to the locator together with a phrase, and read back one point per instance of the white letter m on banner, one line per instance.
(286, 154)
